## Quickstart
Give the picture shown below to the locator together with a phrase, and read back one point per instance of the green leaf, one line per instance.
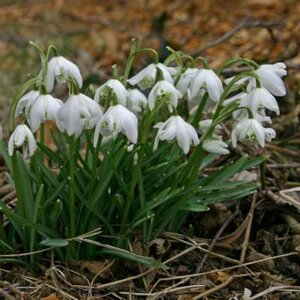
(195, 207)
(54, 243)
(5, 156)
(149, 261)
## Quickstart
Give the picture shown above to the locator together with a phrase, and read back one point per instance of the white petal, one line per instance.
(214, 85)
(140, 76)
(271, 81)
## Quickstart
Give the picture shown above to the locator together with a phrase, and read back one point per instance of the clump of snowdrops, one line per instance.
(126, 157)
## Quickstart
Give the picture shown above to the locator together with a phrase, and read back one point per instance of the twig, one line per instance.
(218, 234)
(274, 289)
(214, 289)
(248, 229)
(245, 23)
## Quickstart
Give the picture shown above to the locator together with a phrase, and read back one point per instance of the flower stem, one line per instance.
(71, 190)
(199, 112)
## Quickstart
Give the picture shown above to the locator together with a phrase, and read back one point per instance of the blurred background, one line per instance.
(96, 34)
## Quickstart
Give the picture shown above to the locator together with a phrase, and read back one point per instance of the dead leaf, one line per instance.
(50, 297)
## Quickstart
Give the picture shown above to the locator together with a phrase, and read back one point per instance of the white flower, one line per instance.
(118, 89)
(260, 98)
(250, 129)
(215, 145)
(77, 113)
(28, 97)
(163, 91)
(61, 69)
(270, 77)
(206, 80)
(184, 82)
(117, 119)
(205, 124)
(176, 127)
(146, 77)
(136, 100)
(270, 134)
(22, 137)
(40, 109)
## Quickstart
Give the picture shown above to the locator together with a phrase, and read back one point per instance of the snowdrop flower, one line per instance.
(77, 113)
(215, 145)
(146, 77)
(61, 69)
(136, 100)
(28, 97)
(205, 124)
(22, 137)
(270, 134)
(260, 98)
(207, 80)
(40, 109)
(117, 119)
(176, 127)
(164, 91)
(270, 77)
(184, 82)
(251, 129)
(118, 89)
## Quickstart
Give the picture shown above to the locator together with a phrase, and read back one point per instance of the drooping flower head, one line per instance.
(146, 77)
(117, 119)
(270, 77)
(62, 70)
(251, 130)
(28, 97)
(206, 80)
(164, 91)
(215, 145)
(77, 113)
(41, 109)
(184, 83)
(116, 87)
(260, 98)
(176, 128)
(136, 101)
(22, 137)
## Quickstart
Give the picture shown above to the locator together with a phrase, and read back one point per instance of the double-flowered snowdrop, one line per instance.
(117, 119)
(40, 109)
(146, 78)
(116, 87)
(176, 128)
(28, 97)
(62, 70)
(206, 80)
(252, 130)
(77, 113)
(22, 137)
(136, 100)
(164, 91)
